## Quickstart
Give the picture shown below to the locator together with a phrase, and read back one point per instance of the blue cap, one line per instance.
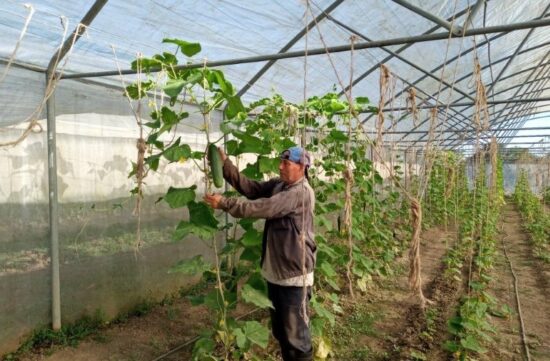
(297, 155)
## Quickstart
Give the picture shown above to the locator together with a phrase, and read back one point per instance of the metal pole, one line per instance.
(389, 57)
(469, 104)
(472, 14)
(425, 14)
(289, 45)
(53, 211)
(466, 131)
(52, 158)
(334, 49)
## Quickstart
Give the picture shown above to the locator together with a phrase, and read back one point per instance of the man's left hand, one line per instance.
(213, 200)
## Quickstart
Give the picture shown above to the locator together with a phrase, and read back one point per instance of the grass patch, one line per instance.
(44, 339)
(348, 334)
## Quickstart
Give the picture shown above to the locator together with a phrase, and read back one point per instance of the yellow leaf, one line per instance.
(323, 349)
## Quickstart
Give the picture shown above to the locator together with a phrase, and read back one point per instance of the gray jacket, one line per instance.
(287, 209)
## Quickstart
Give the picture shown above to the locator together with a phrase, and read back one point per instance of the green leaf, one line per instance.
(232, 147)
(146, 64)
(225, 86)
(187, 48)
(256, 333)
(137, 92)
(337, 136)
(234, 107)
(269, 165)
(451, 346)
(202, 215)
(185, 228)
(204, 346)
(256, 297)
(191, 266)
(470, 343)
(240, 337)
(327, 269)
(251, 144)
(177, 152)
(180, 197)
(362, 100)
(323, 312)
(174, 87)
(251, 238)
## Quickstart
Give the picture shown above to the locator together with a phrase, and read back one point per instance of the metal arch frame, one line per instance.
(544, 71)
(398, 51)
(456, 57)
(53, 201)
(457, 123)
(496, 62)
(534, 69)
(439, 67)
(502, 29)
(284, 49)
(397, 56)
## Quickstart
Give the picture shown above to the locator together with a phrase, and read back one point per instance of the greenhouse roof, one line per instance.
(261, 44)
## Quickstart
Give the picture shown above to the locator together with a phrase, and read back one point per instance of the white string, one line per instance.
(21, 36)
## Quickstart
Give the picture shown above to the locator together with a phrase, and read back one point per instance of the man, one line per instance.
(287, 204)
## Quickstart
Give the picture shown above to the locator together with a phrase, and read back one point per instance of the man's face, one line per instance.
(289, 171)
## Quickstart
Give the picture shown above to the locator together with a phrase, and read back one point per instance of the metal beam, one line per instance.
(464, 131)
(469, 104)
(471, 15)
(425, 14)
(334, 49)
(289, 45)
(398, 51)
(52, 158)
(397, 56)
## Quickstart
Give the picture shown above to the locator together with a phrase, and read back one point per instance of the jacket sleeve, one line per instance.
(277, 206)
(249, 188)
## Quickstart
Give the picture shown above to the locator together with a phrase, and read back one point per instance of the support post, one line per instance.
(53, 210)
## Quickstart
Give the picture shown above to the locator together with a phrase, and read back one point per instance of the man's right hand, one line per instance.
(223, 156)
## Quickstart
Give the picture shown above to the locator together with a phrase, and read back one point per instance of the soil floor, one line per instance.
(398, 330)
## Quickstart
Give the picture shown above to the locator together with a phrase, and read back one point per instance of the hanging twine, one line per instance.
(415, 277)
(384, 81)
(348, 179)
(481, 112)
(411, 104)
(493, 149)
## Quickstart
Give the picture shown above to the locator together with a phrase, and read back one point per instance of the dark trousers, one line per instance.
(290, 326)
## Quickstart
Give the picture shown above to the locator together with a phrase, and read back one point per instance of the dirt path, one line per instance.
(533, 278)
(392, 309)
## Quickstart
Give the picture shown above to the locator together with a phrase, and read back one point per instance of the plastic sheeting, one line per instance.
(234, 29)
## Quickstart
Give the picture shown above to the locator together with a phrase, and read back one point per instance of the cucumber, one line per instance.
(215, 165)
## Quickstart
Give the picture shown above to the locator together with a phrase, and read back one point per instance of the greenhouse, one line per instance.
(275, 180)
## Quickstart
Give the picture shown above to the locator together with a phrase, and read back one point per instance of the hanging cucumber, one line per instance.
(216, 165)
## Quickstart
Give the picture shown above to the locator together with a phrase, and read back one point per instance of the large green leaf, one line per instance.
(202, 215)
(269, 165)
(240, 337)
(174, 87)
(191, 266)
(256, 333)
(177, 152)
(180, 197)
(185, 228)
(256, 297)
(337, 136)
(471, 343)
(234, 107)
(251, 238)
(186, 47)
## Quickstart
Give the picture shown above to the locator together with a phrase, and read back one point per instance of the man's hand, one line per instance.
(223, 156)
(213, 200)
